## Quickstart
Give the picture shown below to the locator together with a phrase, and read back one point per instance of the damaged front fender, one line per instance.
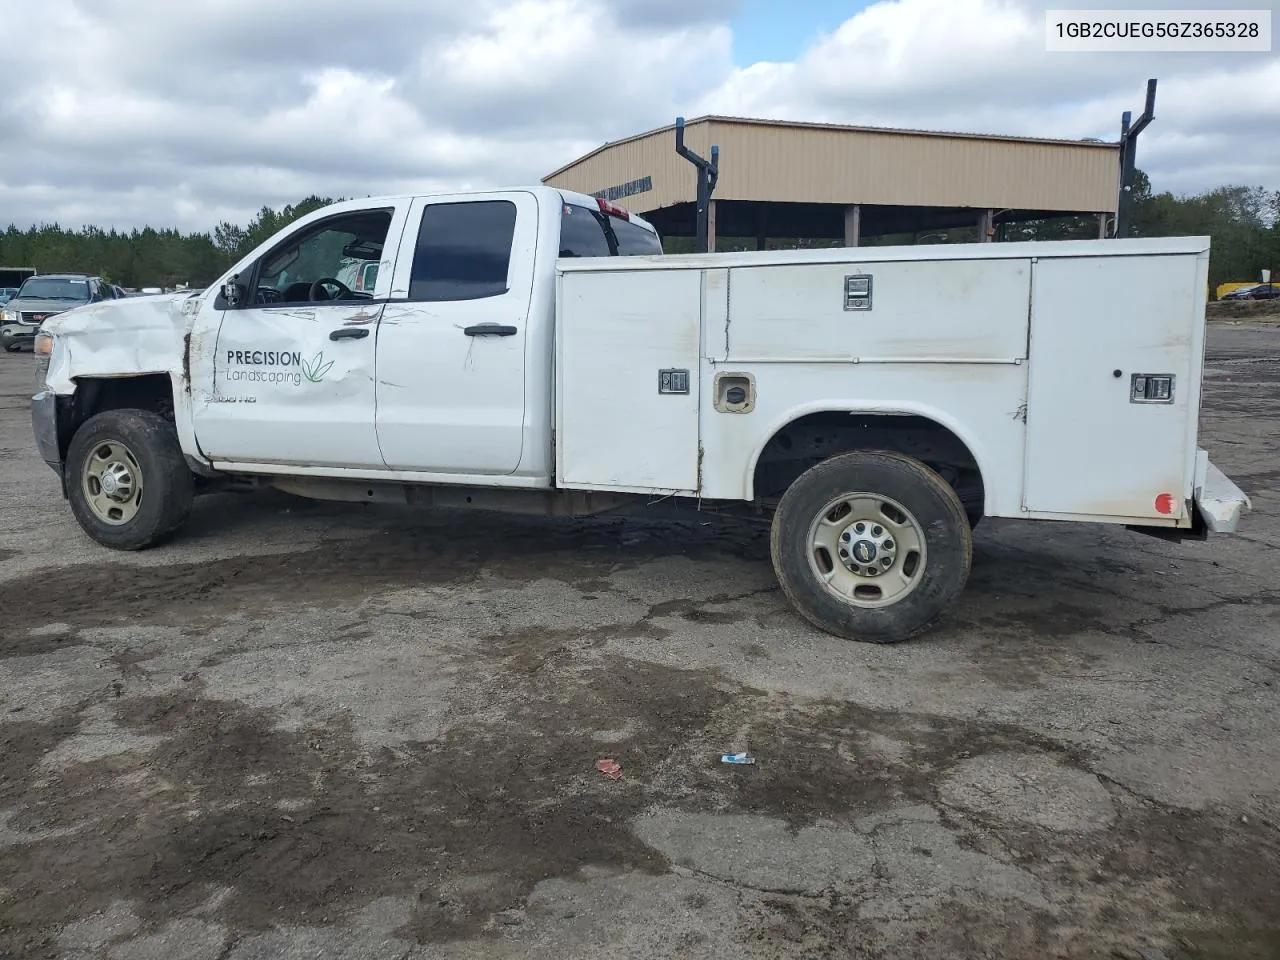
(118, 338)
(109, 352)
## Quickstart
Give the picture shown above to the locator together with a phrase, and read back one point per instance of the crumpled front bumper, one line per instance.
(1218, 501)
(44, 423)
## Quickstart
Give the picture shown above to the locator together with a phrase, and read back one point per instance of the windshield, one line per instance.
(52, 288)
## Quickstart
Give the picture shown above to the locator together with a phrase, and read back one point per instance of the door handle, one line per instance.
(349, 333)
(490, 330)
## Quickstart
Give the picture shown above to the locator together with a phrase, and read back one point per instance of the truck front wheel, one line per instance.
(127, 481)
(871, 546)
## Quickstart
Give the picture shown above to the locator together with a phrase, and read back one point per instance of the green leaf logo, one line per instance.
(315, 369)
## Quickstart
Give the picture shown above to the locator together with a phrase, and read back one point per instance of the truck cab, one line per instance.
(442, 369)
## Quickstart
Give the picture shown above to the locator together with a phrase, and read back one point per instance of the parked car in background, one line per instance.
(45, 296)
(1256, 291)
(7, 294)
(1222, 289)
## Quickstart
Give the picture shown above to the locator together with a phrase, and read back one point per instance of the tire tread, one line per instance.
(896, 623)
(151, 438)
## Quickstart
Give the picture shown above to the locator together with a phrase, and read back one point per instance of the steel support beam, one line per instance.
(853, 225)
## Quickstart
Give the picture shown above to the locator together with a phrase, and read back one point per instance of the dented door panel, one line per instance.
(293, 382)
(284, 392)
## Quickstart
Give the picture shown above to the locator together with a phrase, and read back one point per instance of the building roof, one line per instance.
(781, 161)
(844, 127)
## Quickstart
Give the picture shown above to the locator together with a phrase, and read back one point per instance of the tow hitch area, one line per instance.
(1219, 502)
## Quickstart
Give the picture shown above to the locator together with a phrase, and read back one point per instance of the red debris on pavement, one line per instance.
(610, 768)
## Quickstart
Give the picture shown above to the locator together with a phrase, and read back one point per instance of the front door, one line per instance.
(293, 366)
(451, 357)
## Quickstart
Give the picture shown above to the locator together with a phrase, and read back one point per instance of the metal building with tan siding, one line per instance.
(849, 184)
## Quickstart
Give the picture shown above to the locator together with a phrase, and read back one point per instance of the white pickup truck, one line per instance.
(532, 350)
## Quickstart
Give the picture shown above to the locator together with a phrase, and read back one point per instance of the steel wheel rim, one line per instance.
(866, 550)
(111, 479)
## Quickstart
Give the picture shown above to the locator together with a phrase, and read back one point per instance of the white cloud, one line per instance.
(131, 111)
(981, 65)
(122, 112)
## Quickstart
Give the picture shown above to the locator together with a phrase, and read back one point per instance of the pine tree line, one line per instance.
(1243, 222)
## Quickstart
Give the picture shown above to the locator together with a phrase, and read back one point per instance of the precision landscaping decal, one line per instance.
(312, 370)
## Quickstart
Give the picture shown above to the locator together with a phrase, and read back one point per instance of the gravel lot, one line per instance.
(326, 731)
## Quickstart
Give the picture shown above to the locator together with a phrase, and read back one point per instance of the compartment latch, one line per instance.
(857, 292)
(1151, 388)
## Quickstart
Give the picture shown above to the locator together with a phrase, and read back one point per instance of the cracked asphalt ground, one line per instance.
(329, 731)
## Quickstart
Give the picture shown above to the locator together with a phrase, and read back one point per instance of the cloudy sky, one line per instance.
(185, 112)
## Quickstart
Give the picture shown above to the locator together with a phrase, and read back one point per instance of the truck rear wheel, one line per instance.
(127, 481)
(871, 546)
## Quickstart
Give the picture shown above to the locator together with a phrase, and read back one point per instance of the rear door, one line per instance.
(451, 344)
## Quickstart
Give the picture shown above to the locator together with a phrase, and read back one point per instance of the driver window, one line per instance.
(329, 262)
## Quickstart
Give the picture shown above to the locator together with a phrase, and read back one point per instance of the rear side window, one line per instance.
(463, 251)
(582, 233)
(585, 232)
(633, 240)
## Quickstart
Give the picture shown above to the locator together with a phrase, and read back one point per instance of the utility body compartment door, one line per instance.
(927, 310)
(627, 351)
(1097, 323)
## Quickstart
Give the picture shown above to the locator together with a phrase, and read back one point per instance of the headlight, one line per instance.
(43, 349)
(8, 316)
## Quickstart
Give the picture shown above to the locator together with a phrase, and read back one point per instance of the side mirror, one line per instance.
(232, 293)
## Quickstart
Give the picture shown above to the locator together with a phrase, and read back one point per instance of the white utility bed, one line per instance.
(1029, 353)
